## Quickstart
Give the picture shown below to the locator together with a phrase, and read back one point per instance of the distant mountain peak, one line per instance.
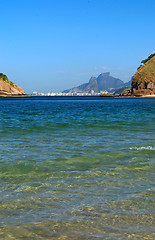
(92, 79)
(103, 82)
(104, 74)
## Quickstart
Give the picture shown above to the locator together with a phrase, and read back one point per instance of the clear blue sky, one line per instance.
(52, 45)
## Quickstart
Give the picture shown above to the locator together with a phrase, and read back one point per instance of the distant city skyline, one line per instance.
(50, 46)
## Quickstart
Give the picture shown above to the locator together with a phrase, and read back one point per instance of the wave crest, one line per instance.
(143, 148)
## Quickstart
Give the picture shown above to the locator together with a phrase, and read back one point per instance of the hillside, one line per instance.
(145, 75)
(143, 81)
(8, 88)
(103, 82)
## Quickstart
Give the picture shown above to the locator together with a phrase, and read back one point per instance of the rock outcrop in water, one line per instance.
(143, 81)
(9, 89)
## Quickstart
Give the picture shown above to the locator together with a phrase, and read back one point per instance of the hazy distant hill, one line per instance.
(103, 82)
(128, 84)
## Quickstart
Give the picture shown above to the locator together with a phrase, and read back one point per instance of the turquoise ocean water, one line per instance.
(78, 168)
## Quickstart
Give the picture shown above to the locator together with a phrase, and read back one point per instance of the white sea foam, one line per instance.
(143, 148)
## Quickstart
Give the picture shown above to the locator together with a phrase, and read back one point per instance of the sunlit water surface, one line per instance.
(77, 169)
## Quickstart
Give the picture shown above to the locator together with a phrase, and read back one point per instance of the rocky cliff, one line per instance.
(8, 88)
(144, 78)
(143, 81)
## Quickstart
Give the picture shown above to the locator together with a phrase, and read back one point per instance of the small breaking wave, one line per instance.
(143, 148)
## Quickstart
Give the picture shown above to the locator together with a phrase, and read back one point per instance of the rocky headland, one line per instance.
(143, 81)
(10, 89)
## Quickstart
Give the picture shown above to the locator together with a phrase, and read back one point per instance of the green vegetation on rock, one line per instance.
(145, 60)
(145, 74)
(4, 77)
(9, 88)
(143, 81)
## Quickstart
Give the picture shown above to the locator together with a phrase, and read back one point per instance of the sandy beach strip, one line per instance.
(149, 96)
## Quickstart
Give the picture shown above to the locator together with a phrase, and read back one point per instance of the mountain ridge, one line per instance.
(103, 82)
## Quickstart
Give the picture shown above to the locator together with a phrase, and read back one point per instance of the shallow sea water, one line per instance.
(81, 168)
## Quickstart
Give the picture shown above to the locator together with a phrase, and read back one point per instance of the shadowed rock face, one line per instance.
(92, 85)
(105, 81)
(8, 88)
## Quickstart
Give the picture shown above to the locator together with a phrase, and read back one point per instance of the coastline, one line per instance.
(14, 96)
(149, 96)
(74, 97)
